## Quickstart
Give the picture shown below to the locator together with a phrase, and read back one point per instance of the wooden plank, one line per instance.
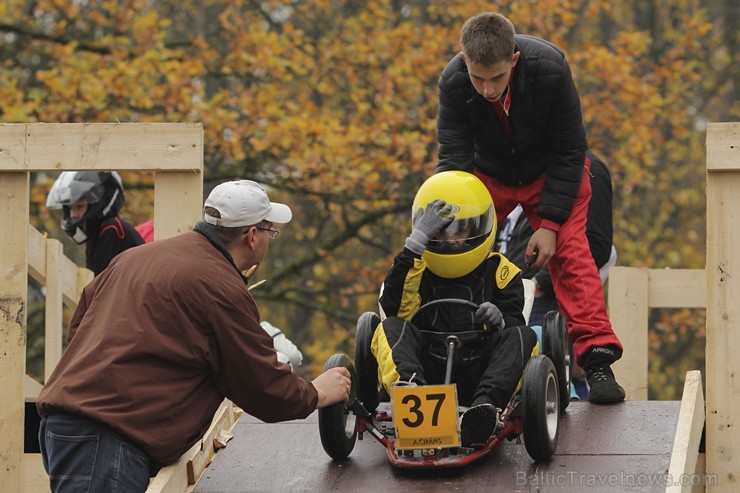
(701, 471)
(688, 435)
(723, 310)
(178, 202)
(173, 478)
(31, 388)
(188, 469)
(628, 311)
(223, 420)
(35, 479)
(677, 288)
(74, 278)
(53, 306)
(723, 149)
(36, 255)
(101, 146)
(12, 147)
(14, 195)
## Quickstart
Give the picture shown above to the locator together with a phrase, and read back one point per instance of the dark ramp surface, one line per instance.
(619, 448)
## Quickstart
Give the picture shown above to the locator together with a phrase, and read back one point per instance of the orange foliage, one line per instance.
(333, 105)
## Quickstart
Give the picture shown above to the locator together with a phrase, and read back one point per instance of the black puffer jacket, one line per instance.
(546, 124)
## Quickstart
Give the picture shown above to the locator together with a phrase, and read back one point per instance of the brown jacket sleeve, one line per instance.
(82, 304)
(246, 369)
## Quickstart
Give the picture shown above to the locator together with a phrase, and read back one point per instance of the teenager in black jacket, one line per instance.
(509, 112)
(91, 201)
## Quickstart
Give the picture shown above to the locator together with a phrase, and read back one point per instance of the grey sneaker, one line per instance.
(478, 424)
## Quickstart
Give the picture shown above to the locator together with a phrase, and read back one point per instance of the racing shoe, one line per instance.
(604, 388)
(478, 424)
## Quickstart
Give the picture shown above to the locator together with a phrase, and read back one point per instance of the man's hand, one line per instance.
(434, 219)
(541, 248)
(333, 386)
(490, 315)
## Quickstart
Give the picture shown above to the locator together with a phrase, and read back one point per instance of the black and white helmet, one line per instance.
(103, 191)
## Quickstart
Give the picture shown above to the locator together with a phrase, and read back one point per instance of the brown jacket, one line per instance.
(160, 338)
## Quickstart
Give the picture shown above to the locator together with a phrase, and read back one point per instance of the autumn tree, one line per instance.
(332, 104)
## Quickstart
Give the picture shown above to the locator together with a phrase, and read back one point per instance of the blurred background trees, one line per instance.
(332, 104)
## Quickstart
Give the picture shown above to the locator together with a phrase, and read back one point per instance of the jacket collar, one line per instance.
(207, 230)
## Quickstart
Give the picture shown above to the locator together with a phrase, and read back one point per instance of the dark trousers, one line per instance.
(486, 371)
(83, 455)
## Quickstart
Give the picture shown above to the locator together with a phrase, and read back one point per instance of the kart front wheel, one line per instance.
(366, 365)
(555, 345)
(337, 423)
(540, 408)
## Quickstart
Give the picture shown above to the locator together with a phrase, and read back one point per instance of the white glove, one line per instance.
(490, 315)
(285, 348)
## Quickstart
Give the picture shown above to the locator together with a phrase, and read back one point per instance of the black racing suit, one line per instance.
(107, 239)
(488, 369)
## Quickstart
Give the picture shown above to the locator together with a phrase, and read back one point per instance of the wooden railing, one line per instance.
(173, 152)
(632, 293)
(64, 282)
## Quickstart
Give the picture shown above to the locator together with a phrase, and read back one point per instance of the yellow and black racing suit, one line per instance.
(486, 370)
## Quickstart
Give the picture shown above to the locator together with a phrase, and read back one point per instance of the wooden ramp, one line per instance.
(619, 448)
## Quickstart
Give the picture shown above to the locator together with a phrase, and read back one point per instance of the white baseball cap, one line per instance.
(244, 203)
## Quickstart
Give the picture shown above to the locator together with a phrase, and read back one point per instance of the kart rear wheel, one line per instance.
(555, 345)
(337, 423)
(366, 365)
(540, 408)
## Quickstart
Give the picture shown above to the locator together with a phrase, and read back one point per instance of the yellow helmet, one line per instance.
(467, 241)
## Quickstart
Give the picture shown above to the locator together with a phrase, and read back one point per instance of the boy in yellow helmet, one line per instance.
(448, 255)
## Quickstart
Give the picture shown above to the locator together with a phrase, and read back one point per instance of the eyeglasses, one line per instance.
(272, 233)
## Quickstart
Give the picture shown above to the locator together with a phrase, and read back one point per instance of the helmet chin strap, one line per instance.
(79, 236)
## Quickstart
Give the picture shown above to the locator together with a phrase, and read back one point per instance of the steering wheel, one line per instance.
(453, 301)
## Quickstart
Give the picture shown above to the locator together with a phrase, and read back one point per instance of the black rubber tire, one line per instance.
(540, 408)
(337, 423)
(366, 365)
(555, 346)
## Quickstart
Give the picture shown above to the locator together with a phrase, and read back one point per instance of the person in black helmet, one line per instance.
(91, 201)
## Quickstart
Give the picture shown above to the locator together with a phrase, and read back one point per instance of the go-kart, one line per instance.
(419, 425)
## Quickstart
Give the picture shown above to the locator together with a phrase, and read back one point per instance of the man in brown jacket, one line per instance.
(156, 343)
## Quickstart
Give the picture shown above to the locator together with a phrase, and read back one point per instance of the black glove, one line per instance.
(490, 315)
(434, 219)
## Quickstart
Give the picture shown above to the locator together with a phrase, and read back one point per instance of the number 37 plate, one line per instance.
(425, 417)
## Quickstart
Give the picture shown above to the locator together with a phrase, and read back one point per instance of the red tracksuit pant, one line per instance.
(575, 277)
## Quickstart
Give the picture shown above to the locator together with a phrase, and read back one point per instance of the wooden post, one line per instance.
(178, 198)
(628, 291)
(53, 306)
(723, 306)
(15, 197)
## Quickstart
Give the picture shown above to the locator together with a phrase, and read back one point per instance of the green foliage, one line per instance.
(333, 105)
